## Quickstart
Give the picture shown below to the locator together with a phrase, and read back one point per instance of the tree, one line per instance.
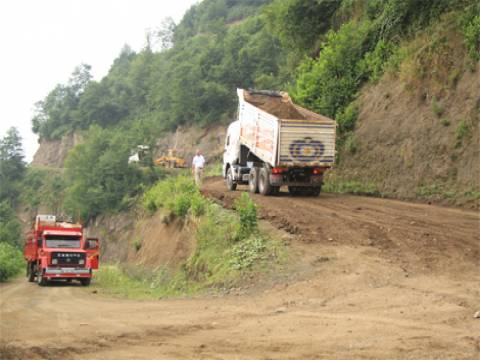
(12, 164)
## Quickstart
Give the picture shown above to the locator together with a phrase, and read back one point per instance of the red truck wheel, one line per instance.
(30, 272)
(85, 282)
(41, 280)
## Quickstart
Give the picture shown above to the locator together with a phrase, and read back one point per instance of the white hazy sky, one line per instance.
(43, 41)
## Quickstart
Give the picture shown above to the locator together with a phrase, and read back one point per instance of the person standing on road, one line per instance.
(198, 164)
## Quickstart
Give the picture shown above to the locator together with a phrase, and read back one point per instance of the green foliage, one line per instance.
(10, 226)
(437, 107)
(137, 244)
(99, 176)
(351, 143)
(328, 84)
(347, 118)
(246, 253)
(376, 61)
(461, 132)
(43, 187)
(299, 23)
(12, 164)
(11, 261)
(178, 194)
(469, 22)
(247, 211)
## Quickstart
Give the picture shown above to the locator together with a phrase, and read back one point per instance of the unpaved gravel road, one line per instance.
(386, 280)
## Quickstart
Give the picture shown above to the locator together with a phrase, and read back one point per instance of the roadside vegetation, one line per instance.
(230, 247)
(12, 171)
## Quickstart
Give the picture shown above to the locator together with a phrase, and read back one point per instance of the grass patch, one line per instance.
(461, 132)
(230, 249)
(334, 184)
(214, 169)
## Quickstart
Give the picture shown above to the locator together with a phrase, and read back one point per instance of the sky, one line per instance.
(43, 41)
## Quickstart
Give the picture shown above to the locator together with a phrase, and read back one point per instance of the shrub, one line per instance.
(461, 132)
(198, 205)
(445, 122)
(470, 25)
(329, 83)
(247, 211)
(246, 253)
(346, 119)
(351, 144)
(437, 107)
(11, 261)
(175, 194)
(376, 60)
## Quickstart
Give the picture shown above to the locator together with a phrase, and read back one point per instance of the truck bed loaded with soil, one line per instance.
(276, 143)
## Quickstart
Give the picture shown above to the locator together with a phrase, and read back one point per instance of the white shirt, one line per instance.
(198, 161)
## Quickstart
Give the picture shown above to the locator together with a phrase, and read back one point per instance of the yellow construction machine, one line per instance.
(171, 160)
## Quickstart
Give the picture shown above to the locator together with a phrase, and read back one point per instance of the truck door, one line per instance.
(92, 246)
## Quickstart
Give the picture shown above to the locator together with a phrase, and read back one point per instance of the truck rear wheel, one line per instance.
(231, 184)
(264, 186)
(253, 180)
(315, 191)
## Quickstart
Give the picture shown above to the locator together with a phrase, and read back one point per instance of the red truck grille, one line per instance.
(68, 259)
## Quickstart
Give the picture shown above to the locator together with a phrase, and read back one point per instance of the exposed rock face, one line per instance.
(54, 152)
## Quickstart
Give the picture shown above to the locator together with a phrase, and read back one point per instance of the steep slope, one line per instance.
(417, 133)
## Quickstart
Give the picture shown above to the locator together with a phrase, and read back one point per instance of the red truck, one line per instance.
(57, 250)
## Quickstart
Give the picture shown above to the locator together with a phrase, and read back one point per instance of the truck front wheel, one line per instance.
(30, 272)
(41, 281)
(264, 186)
(85, 282)
(253, 180)
(231, 184)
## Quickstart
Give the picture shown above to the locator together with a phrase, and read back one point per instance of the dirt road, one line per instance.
(386, 280)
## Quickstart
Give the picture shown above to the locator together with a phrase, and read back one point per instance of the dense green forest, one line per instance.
(321, 51)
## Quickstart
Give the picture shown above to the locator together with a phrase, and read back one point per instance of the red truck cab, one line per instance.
(59, 250)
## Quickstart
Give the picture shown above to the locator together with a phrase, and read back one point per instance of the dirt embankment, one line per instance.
(143, 241)
(384, 280)
(419, 139)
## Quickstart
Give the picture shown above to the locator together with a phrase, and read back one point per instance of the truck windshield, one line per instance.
(62, 241)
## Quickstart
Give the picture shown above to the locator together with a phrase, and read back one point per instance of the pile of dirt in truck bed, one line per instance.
(279, 106)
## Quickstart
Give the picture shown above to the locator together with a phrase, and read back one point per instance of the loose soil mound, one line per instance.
(279, 106)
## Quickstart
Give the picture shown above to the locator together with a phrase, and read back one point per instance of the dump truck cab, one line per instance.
(59, 251)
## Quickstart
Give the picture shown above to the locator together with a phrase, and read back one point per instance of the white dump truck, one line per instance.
(276, 143)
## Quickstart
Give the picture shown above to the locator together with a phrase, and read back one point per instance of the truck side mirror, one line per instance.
(91, 244)
(39, 242)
